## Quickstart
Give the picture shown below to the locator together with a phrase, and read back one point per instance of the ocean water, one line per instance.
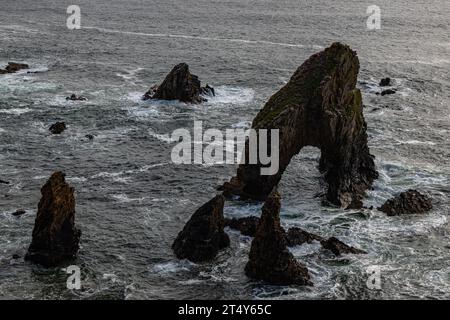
(132, 200)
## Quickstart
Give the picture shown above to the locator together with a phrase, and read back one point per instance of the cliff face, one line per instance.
(320, 106)
(55, 237)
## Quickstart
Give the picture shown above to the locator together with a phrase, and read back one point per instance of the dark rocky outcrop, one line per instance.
(208, 91)
(180, 85)
(58, 127)
(13, 67)
(338, 247)
(55, 237)
(388, 91)
(269, 258)
(203, 235)
(18, 213)
(4, 182)
(74, 97)
(385, 82)
(247, 225)
(296, 236)
(320, 106)
(408, 202)
(89, 137)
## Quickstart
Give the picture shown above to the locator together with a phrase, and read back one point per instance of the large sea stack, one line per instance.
(203, 235)
(320, 106)
(55, 237)
(269, 258)
(180, 85)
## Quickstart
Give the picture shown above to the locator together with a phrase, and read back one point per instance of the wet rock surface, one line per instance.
(408, 202)
(385, 82)
(203, 235)
(74, 97)
(58, 127)
(338, 247)
(18, 213)
(320, 106)
(269, 258)
(247, 225)
(388, 91)
(55, 238)
(180, 84)
(13, 67)
(296, 236)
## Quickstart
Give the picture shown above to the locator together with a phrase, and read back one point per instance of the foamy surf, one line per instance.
(16, 111)
(231, 95)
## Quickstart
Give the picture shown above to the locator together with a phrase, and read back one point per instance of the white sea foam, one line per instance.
(172, 267)
(417, 142)
(135, 96)
(231, 95)
(144, 112)
(121, 197)
(16, 111)
(216, 39)
(163, 137)
(242, 125)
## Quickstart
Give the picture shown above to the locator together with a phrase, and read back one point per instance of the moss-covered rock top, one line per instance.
(322, 76)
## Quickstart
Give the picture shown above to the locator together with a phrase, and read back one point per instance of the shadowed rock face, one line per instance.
(247, 225)
(203, 235)
(320, 106)
(55, 237)
(408, 202)
(296, 236)
(338, 247)
(180, 85)
(269, 258)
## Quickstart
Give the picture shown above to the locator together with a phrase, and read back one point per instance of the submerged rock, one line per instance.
(4, 182)
(385, 82)
(408, 202)
(55, 237)
(296, 236)
(13, 67)
(89, 137)
(320, 106)
(203, 235)
(269, 258)
(58, 127)
(388, 91)
(180, 85)
(74, 97)
(18, 212)
(247, 225)
(338, 247)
